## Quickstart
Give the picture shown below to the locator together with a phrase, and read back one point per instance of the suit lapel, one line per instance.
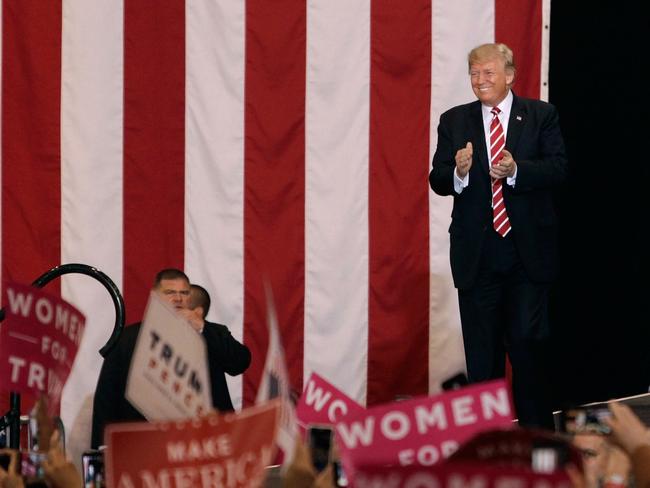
(518, 116)
(478, 136)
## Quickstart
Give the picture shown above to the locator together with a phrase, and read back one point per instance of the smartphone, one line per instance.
(319, 440)
(5, 460)
(6, 455)
(583, 420)
(92, 462)
(455, 382)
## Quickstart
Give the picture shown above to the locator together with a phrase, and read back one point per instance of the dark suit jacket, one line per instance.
(225, 354)
(536, 144)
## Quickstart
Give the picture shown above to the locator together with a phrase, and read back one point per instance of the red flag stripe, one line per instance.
(154, 144)
(31, 135)
(400, 78)
(274, 181)
(519, 25)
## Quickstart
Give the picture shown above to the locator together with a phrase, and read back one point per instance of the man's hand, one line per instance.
(193, 317)
(505, 167)
(464, 160)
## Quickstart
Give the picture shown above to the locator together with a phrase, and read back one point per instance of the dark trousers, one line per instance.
(504, 312)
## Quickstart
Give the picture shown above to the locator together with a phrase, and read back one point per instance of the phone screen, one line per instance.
(6, 455)
(93, 469)
(5, 459)
(586, 420)
(320, 446)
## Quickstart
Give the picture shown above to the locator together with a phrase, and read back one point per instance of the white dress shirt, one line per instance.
(504, 116)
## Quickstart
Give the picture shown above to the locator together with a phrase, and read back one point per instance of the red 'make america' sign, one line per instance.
(217, 450)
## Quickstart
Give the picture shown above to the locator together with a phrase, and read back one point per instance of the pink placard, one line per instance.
(216, 450)
(323, 403)
(425, 430)
(455, 475)
(39, 339)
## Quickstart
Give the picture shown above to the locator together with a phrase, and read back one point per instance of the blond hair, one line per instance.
(490, 51)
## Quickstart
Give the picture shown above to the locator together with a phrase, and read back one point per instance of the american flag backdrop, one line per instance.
(244, 141)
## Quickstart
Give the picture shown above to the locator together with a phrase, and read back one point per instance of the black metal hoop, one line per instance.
(12, 417)
(113, 291)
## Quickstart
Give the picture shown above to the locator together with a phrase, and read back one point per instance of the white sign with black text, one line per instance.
(168, 378)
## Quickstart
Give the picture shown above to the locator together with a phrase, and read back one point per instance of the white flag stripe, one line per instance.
(544, 58)
(91, 188)
(454, 32)
(214, 150)
(336, 188)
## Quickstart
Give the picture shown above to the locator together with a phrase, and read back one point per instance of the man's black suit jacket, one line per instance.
(225, 354)
(536, 144)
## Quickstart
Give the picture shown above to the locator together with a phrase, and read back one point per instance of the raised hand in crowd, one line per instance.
(627, 430)
(301, 472)
(633, 437)
(577, 477)
(618, 469)
(59, 472)
(9, 478)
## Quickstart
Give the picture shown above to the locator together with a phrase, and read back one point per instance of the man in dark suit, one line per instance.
(225, 354)
(501, 166)
(233, 356)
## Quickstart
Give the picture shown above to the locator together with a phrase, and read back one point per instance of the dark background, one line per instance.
(599, 304)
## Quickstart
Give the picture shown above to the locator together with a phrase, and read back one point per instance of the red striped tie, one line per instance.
(500, 219)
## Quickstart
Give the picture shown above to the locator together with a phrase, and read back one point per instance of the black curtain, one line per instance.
(600, 303)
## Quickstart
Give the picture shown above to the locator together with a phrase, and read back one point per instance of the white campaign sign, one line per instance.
(168, 378)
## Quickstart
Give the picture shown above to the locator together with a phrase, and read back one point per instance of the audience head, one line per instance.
(595, 453)
(199, 300)
(173, 286)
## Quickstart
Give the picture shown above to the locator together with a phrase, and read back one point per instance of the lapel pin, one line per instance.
(519, 118)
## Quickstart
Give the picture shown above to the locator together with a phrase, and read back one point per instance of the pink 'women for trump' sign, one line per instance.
(39, 339)
(424, 430)
(323, 403)
(456, 475)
